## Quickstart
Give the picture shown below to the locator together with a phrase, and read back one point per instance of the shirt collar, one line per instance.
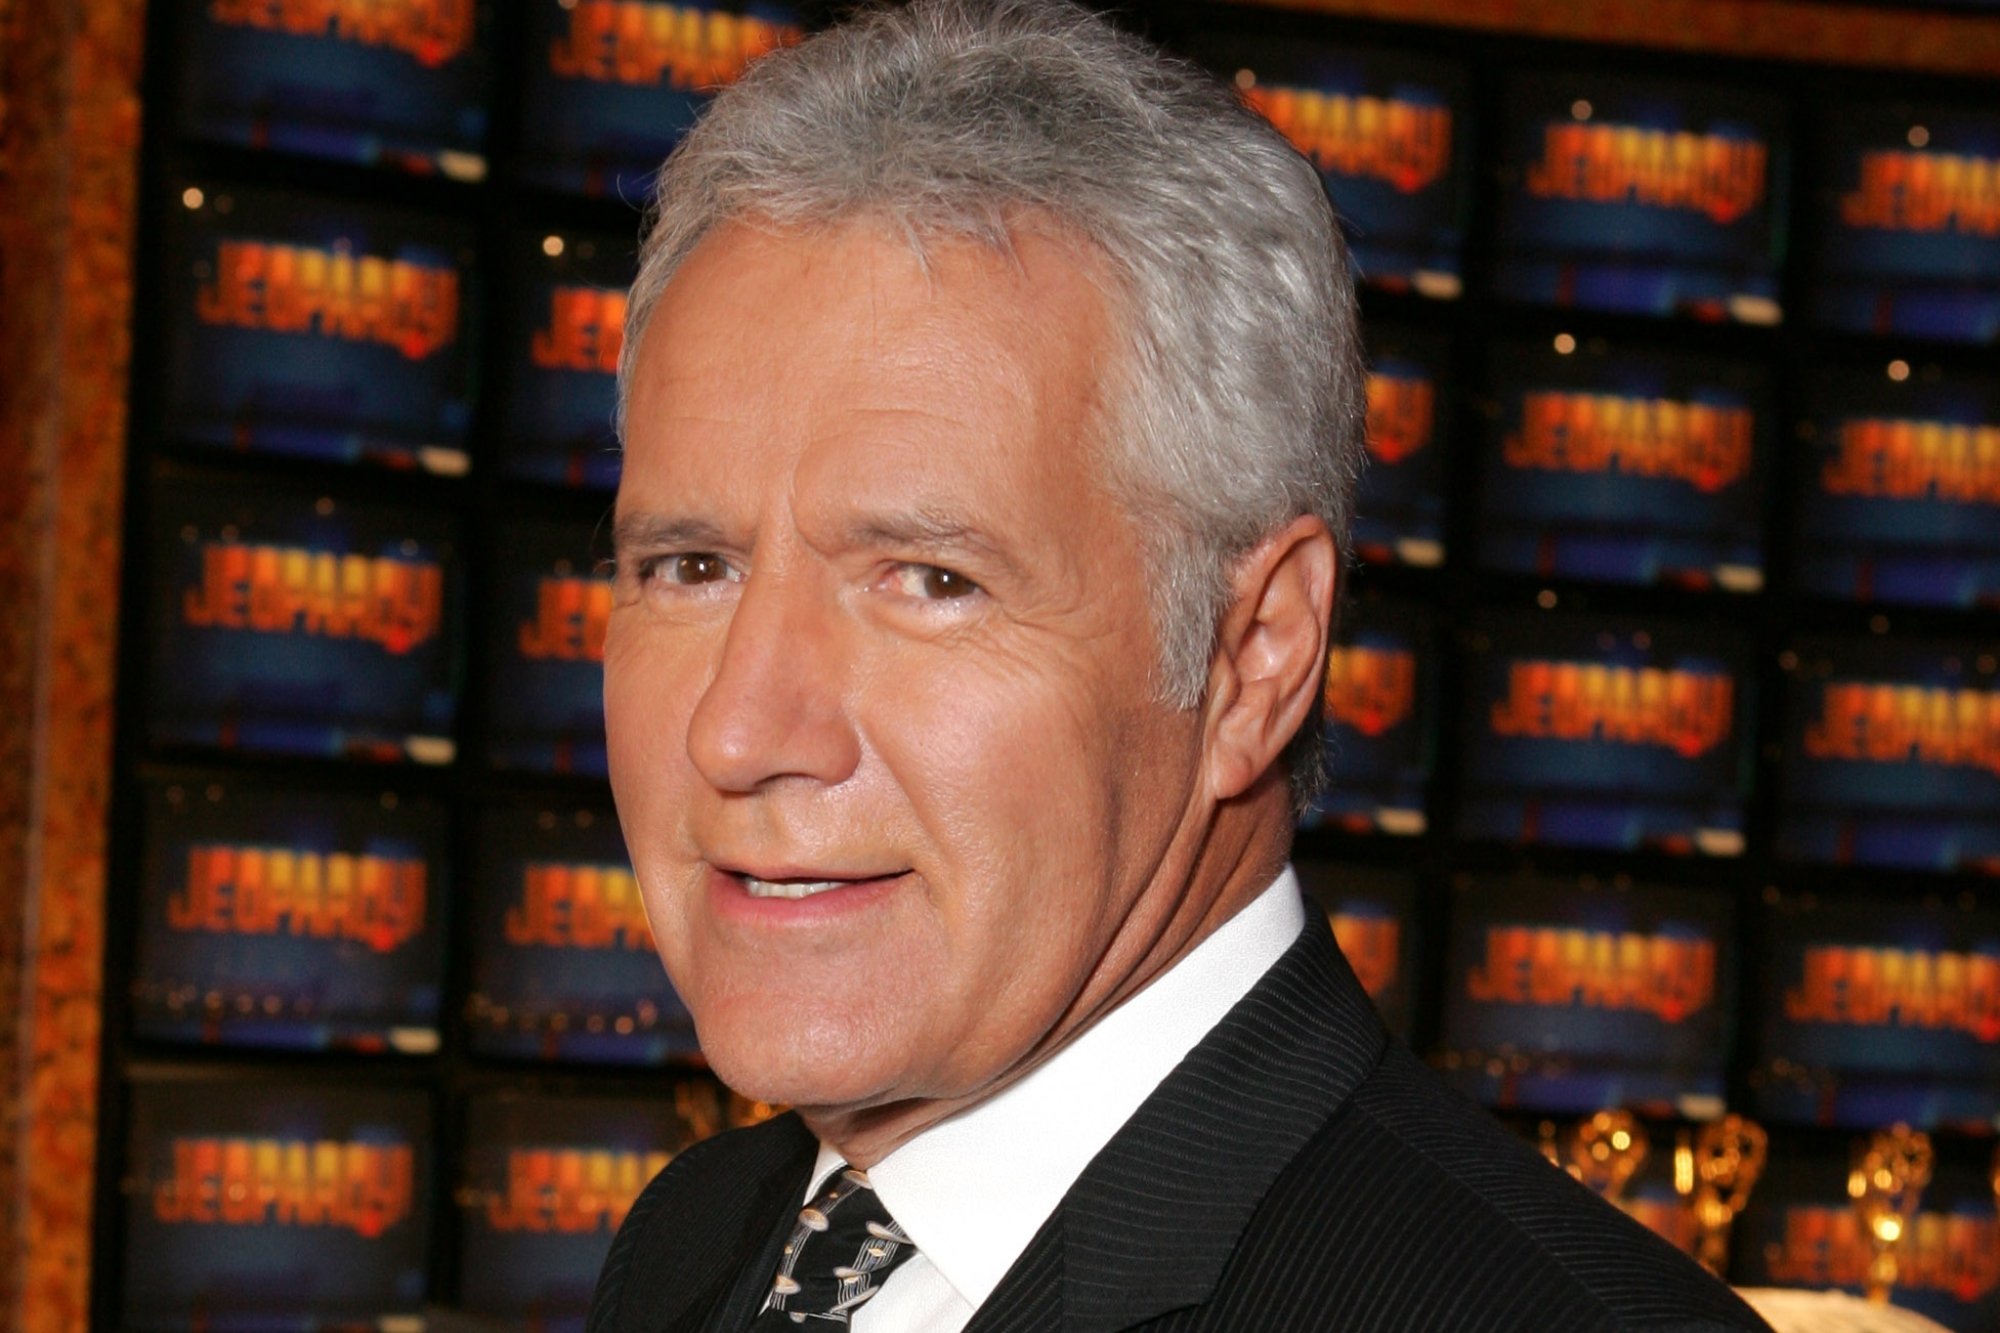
(973, 1190)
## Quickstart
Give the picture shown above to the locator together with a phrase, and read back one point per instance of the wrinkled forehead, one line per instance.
(850, 346)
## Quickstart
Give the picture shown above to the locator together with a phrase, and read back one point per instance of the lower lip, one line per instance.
(732, 897)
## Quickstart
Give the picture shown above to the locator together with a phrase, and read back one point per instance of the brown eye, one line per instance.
(699, 568)
(943, 584)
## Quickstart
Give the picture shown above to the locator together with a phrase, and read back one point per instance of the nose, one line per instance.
(776, 707)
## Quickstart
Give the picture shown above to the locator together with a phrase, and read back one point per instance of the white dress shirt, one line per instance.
(973, 1190)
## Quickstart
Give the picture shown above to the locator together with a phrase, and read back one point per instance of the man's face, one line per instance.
(879, 690)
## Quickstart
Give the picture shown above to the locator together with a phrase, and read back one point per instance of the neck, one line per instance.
(1220, 867)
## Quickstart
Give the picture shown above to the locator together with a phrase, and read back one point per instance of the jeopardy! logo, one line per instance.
(1407, 144)
(377, 901)
(1716, 175)
(1688, 712)
(646, 45)
(586, 331)
(1668, 976)
(570, 1191)
(1900, 459)
(1370, 689)
(1704, 445)
(433, 31)
(332, 293)
(1373, 945)
(1925, 193)
(1956, 1253)
(1870, 987)
(572, 616)
(365, 1188)
(565, 905)
(397, 605)
(1402, 413)
(1885, 722)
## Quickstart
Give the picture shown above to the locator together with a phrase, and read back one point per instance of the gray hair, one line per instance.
(1242, 398)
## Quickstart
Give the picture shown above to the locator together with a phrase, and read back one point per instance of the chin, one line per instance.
(757, 1063)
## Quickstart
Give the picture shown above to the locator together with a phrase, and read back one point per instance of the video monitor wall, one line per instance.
(1664, 751)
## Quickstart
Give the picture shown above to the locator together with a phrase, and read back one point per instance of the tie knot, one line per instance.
(841, 1250)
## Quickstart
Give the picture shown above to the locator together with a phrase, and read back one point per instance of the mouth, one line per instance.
(795, 888)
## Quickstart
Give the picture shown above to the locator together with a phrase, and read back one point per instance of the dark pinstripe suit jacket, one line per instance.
(1297, 1171)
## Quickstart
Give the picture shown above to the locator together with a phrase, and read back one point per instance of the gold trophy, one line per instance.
(1607, 1150)
(1714, 1172)
(1886, 1184)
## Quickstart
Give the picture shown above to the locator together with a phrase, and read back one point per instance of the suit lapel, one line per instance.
(1153, 1219)
(721, 1248)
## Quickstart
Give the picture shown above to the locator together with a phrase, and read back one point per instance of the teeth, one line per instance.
(795, 888)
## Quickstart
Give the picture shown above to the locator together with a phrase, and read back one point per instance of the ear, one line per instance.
(1269, 653)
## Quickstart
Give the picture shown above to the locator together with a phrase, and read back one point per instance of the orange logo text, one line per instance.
(330, 294)
(571, 617)
(373, 900)
(1705, 446)
(1688, 712)
(1912, 460)
(1401, 415)
(1925, 192)
(397, 604)
(571, 1190)
(1370, 689)
(586, 331)
(1909, 988)
(1618, 164)
(1372, 945)
(1882, 723)
(1951, 1252)
(567, 906)
(1664, 975)
(646, 45)
(360, 1187)
(1407, 144)
(433, 31)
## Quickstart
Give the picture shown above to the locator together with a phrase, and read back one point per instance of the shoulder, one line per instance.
(692, 1216)
(1414, 1202)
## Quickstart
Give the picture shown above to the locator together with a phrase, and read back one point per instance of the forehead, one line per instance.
(821, 344)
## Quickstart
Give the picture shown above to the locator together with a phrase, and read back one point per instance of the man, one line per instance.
(991, 413)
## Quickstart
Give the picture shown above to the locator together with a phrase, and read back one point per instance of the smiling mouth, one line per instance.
(796, 889)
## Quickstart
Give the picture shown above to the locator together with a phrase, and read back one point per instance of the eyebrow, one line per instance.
(934, 532)
(646, 531)
(928, 531)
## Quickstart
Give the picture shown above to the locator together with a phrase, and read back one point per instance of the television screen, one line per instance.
(1646, 198)
(1880, 1011)
(1909, 222)
(1800, 1230)
(1890, 755)
(612, 85)
(565, 328)
(563, 966)
(285, 623)
(1901, 495)
(1379, 700)
(547, 1181)
(276, 917)
(1626, 466)
(384, 82)
(1389, 132)
(1619, 735)
(1374, 916)
(1570, 996)
(1399, 509)
(274, 1208)
(546, 712)
(317, 328)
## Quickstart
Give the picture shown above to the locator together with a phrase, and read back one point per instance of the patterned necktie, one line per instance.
(841, 1252)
